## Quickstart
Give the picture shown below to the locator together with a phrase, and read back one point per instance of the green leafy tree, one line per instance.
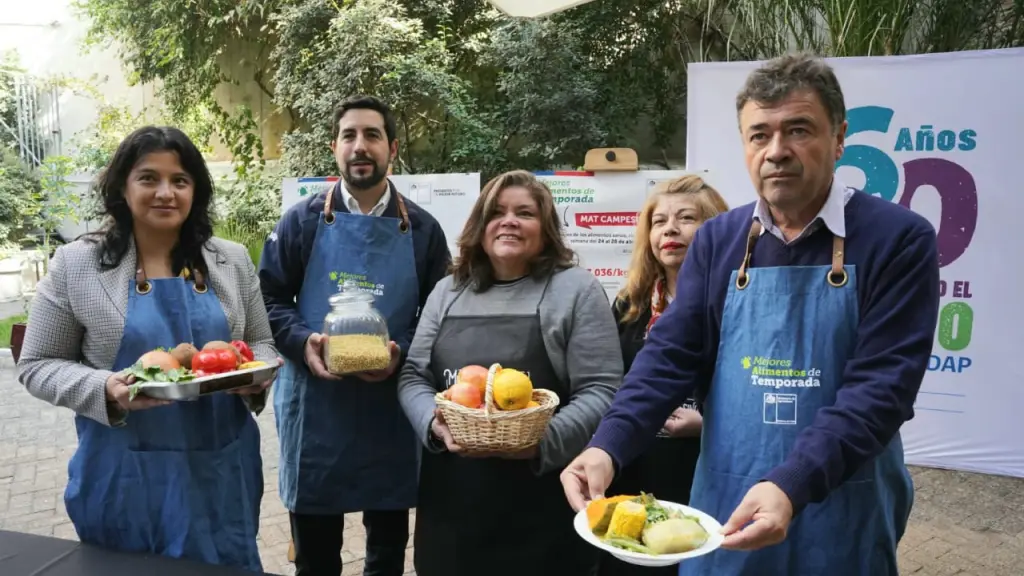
(56, 201)
(475, 90)
(96, 144)
(18, 189)
(561, 121)
(251, 208)
(866, 27)
(8, 105)
(326, 54)
(253, 203)
(187, 46)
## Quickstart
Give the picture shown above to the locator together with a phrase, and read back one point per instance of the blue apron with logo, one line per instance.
(183, 480)
(346, 446)
(787, 333)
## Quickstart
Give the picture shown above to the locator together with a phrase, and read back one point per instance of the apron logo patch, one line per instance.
(362, 284)
(780, 408)
(777, 373)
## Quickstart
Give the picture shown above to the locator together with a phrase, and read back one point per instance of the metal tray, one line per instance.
(207, 385)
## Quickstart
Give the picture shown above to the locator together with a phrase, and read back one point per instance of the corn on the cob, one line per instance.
(599, 513)
(628, 520)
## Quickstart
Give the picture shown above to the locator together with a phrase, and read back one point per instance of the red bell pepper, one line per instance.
(244, 350)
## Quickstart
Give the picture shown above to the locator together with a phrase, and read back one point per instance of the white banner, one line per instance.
(447, 197)
(599, 213)
(940, 134)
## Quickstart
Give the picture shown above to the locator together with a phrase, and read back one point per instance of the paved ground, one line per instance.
(965, 524)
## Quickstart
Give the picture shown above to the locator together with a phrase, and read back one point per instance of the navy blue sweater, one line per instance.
(896, 258)
(283, 266)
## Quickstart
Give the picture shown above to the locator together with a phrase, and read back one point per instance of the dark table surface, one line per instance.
(31, 555)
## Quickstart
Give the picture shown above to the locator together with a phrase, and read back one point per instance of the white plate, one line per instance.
(712, 526)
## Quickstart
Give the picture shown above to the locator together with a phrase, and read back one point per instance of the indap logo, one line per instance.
(955, 185)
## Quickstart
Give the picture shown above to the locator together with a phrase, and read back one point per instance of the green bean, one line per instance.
(627, 544)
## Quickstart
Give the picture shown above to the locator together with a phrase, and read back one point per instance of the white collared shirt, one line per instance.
(832, 214)
(353, 205)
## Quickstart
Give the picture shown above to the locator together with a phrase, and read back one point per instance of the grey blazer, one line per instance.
(77, 319)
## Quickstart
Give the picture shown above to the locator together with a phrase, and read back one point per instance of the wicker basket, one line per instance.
(494, 430)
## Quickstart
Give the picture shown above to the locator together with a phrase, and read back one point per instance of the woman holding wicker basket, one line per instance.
(490, 501)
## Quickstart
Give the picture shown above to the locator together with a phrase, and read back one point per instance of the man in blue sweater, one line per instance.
(346, 445)
(804, 323)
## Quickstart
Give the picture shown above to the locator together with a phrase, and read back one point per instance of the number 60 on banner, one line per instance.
(955, 185)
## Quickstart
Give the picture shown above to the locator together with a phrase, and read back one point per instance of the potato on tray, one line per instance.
(644, 531)
(159, 366)
(496, 409)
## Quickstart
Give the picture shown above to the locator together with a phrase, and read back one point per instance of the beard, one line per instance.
(366, 179)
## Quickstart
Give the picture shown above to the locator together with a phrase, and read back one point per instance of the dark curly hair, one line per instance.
(116, 232)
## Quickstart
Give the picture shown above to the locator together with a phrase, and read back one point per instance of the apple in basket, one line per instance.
(466, 394)
(512, 389)
(475, 375)
(472, 376)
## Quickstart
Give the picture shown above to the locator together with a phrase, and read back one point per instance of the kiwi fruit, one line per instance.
(183, 353)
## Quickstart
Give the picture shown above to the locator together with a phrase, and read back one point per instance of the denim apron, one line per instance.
(494, 516)
(346, 446)
(183, 480)
(787, 333)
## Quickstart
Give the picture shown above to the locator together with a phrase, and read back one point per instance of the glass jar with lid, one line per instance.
(355, 333)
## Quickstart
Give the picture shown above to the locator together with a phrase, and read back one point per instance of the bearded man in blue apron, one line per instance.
(346, 445)
(805, 323)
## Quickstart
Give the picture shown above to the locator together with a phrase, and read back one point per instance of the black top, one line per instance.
(631, 334)
(665, 469)
(667, 466)
(631, 338)
(459, 532)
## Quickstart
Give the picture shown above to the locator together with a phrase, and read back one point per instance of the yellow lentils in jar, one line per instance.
(349, 353)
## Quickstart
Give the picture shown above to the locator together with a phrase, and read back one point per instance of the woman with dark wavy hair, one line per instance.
(517, 298)
(181, 479)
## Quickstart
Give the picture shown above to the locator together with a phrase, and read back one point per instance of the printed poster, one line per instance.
(599, 212)
(951, 155)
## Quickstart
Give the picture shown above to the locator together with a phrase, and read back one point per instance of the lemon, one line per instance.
(512, 390)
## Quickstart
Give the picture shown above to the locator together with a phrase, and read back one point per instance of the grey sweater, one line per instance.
(581, 340)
